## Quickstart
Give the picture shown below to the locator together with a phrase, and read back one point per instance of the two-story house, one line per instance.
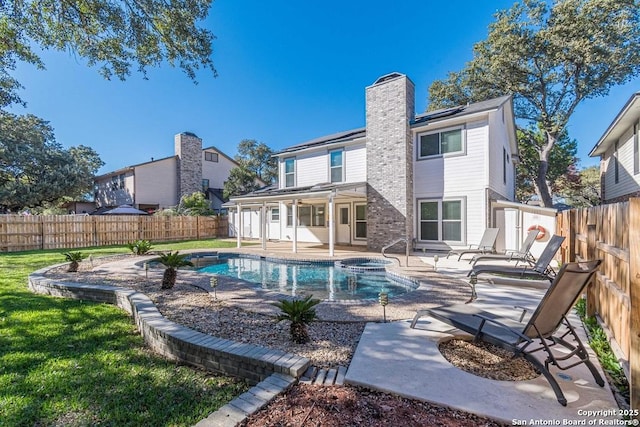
(429, 178)
(619, 154)
(160, 183)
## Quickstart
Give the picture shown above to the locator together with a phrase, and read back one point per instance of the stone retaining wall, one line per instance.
(176, 342)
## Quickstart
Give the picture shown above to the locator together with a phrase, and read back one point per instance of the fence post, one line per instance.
(591, 255)
(634, 297)
(572, 218)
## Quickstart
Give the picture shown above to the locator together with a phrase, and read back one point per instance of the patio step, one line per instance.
(324, 377)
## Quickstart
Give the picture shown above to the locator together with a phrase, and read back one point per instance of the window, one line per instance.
(205, 185)
(211, 157)
(335, 166)
(440, 220)
(290, 172)
(616, 167)
(275, 214)
(121, 179)
(308, 215)
(114, 182)
(505, 160)
(438, 143)
(361, 221)
(343, 216)
(636, 155)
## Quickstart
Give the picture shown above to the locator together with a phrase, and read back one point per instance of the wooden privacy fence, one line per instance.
(611, 233)
(19, 233)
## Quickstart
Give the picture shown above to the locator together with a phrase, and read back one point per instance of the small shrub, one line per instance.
(173, 261)
(139, 247)
(300, 312)
(74, 259)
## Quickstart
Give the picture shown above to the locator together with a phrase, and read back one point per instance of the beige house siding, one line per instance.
(156, 183)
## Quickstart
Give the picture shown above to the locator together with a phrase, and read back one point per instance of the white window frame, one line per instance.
(439, 132)
(314, 217)
(441, 221)
(341, 166)
(285, 174)
(356, 221)
(275, 215)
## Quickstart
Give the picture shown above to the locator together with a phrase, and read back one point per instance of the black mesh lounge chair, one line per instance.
(486, 245)
(540, 270)
(546, 327)
(522, 254)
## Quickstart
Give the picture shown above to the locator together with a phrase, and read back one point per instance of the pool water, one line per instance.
(322, 280)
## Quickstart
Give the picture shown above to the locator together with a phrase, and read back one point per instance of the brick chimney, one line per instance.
(390, 108)
(188, 148)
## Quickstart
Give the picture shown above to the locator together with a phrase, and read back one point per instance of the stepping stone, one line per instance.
(331, 376)
(320, 377)
(309, 375)
(342, 371)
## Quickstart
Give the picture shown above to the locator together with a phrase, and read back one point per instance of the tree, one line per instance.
(115, 35)
(35, 170)
(173, 261)
(300, 312)
(256, 167)
(562, 159)
(550, 58)
(581, 188)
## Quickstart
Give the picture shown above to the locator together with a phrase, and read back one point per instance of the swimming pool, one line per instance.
(322, 279)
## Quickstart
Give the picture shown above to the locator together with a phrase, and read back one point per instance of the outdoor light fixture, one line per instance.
(383, 298)
(436, 258)
(91, 261)
(146, 270)
(473, 280)
(214, 284)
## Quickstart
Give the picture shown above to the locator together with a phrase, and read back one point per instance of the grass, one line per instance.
(599, 342)
(75, 363)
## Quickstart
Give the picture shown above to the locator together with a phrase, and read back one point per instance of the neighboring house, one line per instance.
(161, 183)
(619, 158)
(429, 177)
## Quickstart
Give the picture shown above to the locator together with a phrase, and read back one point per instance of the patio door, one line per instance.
(343, 228)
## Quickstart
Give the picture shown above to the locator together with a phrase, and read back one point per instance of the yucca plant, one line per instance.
(74, 259)
(139, 247)
(173, 261)
(300, 312)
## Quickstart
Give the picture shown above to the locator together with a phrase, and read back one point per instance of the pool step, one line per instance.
(324, 377)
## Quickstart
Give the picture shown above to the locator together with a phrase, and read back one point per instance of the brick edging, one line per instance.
(174, 341)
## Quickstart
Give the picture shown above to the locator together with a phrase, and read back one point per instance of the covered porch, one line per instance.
(328, 214)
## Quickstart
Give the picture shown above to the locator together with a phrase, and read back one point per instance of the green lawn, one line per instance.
(69, 362)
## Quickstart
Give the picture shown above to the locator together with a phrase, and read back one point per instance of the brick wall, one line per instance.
(389, 110)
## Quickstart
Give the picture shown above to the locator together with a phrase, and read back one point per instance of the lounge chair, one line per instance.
(522, 254)
(540, 270)
(543, 327)
(486, 245)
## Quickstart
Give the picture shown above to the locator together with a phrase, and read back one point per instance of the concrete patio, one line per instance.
(394, 358)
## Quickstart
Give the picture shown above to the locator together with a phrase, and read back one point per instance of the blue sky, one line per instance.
(288, 72)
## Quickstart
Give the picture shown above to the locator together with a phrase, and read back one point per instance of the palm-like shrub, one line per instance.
(300, 312)
(74, 259)
(173, 261)
(139, 247)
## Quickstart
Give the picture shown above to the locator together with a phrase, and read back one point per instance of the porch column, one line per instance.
(239, 230)
(332, 227)
(294, 219)
(263, 225)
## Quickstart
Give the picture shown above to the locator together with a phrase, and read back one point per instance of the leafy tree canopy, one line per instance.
(580, 188)
(115, 35)
(36, 171)
(562, 160)
(256, 167)
(551, 58)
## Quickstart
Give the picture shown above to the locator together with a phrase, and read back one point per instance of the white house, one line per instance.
(161, 183)
(428, 178)
(619, 158)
